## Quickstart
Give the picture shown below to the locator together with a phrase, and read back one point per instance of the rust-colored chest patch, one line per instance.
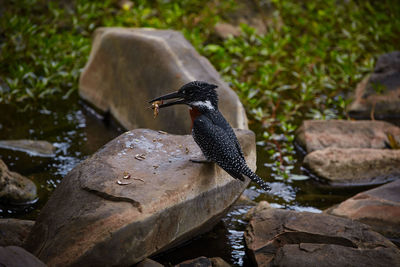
(194, 113)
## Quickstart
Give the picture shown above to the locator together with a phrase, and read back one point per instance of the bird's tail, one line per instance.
(255, 178)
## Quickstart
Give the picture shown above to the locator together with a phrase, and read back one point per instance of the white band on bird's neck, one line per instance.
(207, 104)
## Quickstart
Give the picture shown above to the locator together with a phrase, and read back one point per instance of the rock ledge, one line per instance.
(166, 200)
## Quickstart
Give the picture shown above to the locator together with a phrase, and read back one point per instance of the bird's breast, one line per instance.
(194, 113)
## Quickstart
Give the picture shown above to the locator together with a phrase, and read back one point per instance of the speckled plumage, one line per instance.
(217, 140)
(211, 131)
(219, 144)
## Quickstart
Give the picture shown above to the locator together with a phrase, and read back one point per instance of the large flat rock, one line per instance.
(128, 67)
(354, 166)
(318, 134)
(276, 237)
(378, 207)
(378, 94)
(166, 200)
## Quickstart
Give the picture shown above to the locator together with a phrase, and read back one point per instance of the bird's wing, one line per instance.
(218, 145)
(220, 121)
(233, 136)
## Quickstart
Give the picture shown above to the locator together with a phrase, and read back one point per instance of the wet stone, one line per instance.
(13, 232)
(198, 262)
(148, 263)
(318, 134)
(354, 166)
(276, 237)
(32, 147)
(219, 262)
(13, 256)
(378, 207)
(15, 188)
(168, 200)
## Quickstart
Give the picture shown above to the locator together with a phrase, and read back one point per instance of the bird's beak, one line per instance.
(179, 100)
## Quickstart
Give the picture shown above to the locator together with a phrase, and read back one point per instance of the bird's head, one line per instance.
(199, 95)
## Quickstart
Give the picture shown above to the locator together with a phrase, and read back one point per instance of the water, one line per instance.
(78, 131)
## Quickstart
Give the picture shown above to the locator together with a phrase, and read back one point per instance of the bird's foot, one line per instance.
(201, 160)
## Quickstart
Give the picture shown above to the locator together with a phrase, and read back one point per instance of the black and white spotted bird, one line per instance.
(210, 130)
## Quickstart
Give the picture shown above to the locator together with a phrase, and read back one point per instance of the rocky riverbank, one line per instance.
(140, 196)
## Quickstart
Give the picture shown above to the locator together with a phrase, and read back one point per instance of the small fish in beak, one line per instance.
(156, 107)
(175, 95)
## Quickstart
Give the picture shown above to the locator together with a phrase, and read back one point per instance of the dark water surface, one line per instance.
(78, 131)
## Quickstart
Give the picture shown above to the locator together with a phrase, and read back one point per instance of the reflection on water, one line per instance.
(236, 225)
(73, 128)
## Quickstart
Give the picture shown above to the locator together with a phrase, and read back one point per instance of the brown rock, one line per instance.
(198, 262)
(204, 262)
(32, 147)
(166, 200)
(225, 30)
(16, 257)
(256, 209)
(378, 207)
(354, 166)
(245, 201)
(305, 254)
(148, 263)
(256, 14)
(317, 134)
(15, 188)
(13, 232)
(218, 262)
(378, 94)
(276, 237)
(129, 67)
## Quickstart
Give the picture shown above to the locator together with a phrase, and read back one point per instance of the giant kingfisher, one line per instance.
(210, 130)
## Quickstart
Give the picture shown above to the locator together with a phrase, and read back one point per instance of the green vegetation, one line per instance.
(45, 44)
(312, 55)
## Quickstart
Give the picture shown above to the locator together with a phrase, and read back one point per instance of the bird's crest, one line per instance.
(201, 92)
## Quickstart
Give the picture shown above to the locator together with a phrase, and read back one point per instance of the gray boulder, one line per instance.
(378, 207)
(378, 94)
(258, 15)
(137, 196)
(129, 67)
(276, 237)
(13, 256)
(197, 262)
(318, 134)
(204, 262)
(354, 166)
(15, 188)
(148, 263)
(226, 30)
(13, 232)
(219, 262)
(32, 147)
